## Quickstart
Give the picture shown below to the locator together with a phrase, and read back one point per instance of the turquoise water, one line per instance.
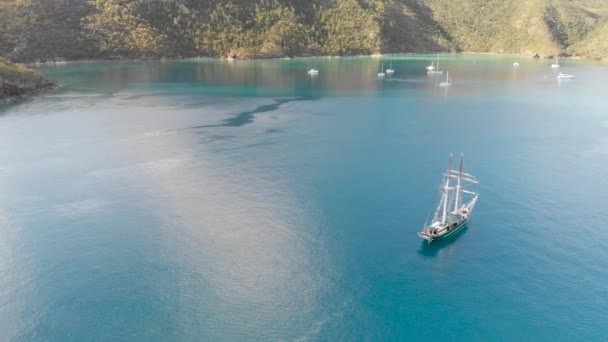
(215, 200)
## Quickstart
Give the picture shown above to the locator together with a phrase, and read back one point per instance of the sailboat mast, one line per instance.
(445, 193)
(458, 184)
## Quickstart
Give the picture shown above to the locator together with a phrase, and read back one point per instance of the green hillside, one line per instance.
(594, 44)
(42, 30)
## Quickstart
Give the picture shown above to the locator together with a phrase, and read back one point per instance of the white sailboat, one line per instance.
(455, 206)
(515, 65)
(431, 67)
(556, 64)
(381, 73)
(436, 71)
(390, 70)
(563, 76)
(447, 82)
(313, 72)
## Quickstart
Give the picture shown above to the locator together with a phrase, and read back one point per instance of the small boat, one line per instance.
(455, 206)
(563, 76)
(515, 64)
(381, 73)
(556, 64)
(447, 82)
(431, 67)
(313, 72)
(390, 70)
(436, 70)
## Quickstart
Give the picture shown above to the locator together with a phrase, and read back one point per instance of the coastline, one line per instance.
(48, 85)
(375, 55)
(18, 81)
(29, 92)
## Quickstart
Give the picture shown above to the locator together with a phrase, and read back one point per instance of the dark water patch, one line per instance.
(247, 117)
(275, 130)
(148, 95)
(220, 137)
(265, 143)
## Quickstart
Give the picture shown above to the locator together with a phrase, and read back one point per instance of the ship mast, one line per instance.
(445, 192)
(458, 184)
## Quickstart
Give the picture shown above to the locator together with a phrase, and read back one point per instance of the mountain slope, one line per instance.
(595, 44)
(32, 30)
(534, 26)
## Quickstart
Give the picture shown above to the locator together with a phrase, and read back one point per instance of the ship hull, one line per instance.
(452, 232)
(461, 225)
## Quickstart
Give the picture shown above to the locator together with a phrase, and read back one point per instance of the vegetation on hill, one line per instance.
(594, 44)
(47, 30)
(17, 80)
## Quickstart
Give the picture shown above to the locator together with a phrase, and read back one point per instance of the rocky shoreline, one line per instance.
(18, 81)
(10, 91)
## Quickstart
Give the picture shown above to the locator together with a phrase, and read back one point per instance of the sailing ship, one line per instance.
(381, 73)
(431, 67)
(455, 206)
(435, 70)
(556, 64)
(563, 76)
(390, 70)
(447, 82)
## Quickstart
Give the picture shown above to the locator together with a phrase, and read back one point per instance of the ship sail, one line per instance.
(455, 206)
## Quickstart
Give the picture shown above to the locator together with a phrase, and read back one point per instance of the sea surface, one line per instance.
(207, 200)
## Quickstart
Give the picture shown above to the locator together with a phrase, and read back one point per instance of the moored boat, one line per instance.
(381, 73)
(448, 81)
(454, 210)
(563, 76)
(435, 70)
(390, 70)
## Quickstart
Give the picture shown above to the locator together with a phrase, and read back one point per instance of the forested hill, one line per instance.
(43, 30)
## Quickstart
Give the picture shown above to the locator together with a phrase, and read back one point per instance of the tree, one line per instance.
(282, 32)
(349, 28)
(11, 24)
(51, 30)
(121, 32)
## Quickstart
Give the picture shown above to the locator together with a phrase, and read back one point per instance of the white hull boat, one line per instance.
(563, 76)
(447, 81)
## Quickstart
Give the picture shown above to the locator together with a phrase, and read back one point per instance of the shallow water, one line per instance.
(215, 200)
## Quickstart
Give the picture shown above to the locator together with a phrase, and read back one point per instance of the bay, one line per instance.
(246, 200)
